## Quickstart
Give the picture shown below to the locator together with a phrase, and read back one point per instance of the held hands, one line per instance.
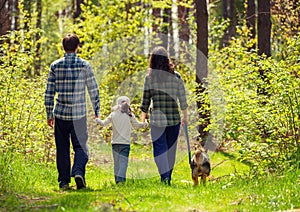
(98, 120)
(145, 123)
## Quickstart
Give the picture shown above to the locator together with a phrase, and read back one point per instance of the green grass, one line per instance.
(27, 185)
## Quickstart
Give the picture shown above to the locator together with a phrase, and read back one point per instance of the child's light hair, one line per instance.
(123, 104)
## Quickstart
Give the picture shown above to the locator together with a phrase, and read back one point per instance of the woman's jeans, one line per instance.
(76, 131)
(164, 149)
(120, 155)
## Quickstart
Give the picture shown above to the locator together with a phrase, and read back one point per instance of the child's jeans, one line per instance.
(120, 155)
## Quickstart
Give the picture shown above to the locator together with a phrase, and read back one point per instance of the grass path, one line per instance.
(32, 186)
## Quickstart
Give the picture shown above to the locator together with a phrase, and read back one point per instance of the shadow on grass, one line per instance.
(233, 157)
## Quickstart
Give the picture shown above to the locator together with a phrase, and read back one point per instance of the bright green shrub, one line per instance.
(23, 127)
(262, 113)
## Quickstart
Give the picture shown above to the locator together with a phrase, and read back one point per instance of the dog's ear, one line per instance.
(201, 149)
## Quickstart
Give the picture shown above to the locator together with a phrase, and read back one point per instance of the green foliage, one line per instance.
(22, 117)
(262, 104)
(110, 23)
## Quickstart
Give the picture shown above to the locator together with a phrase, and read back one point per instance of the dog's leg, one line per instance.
(203, 178)
(195, 177)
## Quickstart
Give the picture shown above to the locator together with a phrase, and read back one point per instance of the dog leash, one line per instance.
(185, 128)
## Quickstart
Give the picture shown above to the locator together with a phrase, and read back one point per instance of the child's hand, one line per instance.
(98, 120)
(145, 123)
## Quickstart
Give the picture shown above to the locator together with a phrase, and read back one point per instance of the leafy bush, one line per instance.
(262, 104)
(22, 114)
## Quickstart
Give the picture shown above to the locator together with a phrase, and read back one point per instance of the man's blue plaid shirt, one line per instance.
(68, 78)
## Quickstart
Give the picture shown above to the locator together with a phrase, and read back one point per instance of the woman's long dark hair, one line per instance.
(159, 62)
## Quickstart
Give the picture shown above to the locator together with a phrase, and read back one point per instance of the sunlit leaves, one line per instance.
(264, 125)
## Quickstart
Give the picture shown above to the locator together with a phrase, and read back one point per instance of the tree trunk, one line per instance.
(225, 38)
(171, 34)
(296, 23)
(167, 26)
(250, 19)
(232, 17)
(264, 28)
(77, 9)
(156, 15)
(297, 5)
(264, 37)
(4, 17)
(37, 62)
(201, 65)
(225, 9)
(28, 12)
(184, 31)
(15, 16)
(228, 13)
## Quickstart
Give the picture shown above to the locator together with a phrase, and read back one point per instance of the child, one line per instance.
(122, 120)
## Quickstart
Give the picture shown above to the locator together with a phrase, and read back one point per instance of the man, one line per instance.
(68, 78)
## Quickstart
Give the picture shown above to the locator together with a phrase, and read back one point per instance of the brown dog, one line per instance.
(200, 165)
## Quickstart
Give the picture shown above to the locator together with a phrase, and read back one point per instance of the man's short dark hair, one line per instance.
(70, 42)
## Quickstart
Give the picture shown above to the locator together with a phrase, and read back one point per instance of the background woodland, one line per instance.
(240, 61)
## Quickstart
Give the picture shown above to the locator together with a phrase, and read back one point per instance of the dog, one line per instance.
(200, 165)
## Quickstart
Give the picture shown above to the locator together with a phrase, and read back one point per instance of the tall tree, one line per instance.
(77, 8)
(37, 62)
(28, 9)
(251, 19)
(156, 12)
(167, 26)
(225, 38)
(15, 14)
(232, 17)
(4, 17)
(201, 64)
(264, 28)
(228, 14)
(184, 30)
(8, 16)
(183, 12)
(264, 37)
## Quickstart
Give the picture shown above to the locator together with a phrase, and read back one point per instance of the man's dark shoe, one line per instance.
(64, 187)
(80, 182)
(166, 181)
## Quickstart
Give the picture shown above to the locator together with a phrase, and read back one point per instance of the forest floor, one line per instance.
(33, 186)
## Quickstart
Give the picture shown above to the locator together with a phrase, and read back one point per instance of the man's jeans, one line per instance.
(120, 155)
(75, 130)
(164, 149)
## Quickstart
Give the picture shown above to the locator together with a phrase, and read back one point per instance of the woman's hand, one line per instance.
(184, 120)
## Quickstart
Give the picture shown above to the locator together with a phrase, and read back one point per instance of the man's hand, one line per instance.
(50, 122)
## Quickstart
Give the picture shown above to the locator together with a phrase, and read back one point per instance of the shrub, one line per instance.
(262, 105)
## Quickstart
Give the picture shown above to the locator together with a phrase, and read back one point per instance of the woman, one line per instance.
(164, 88)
